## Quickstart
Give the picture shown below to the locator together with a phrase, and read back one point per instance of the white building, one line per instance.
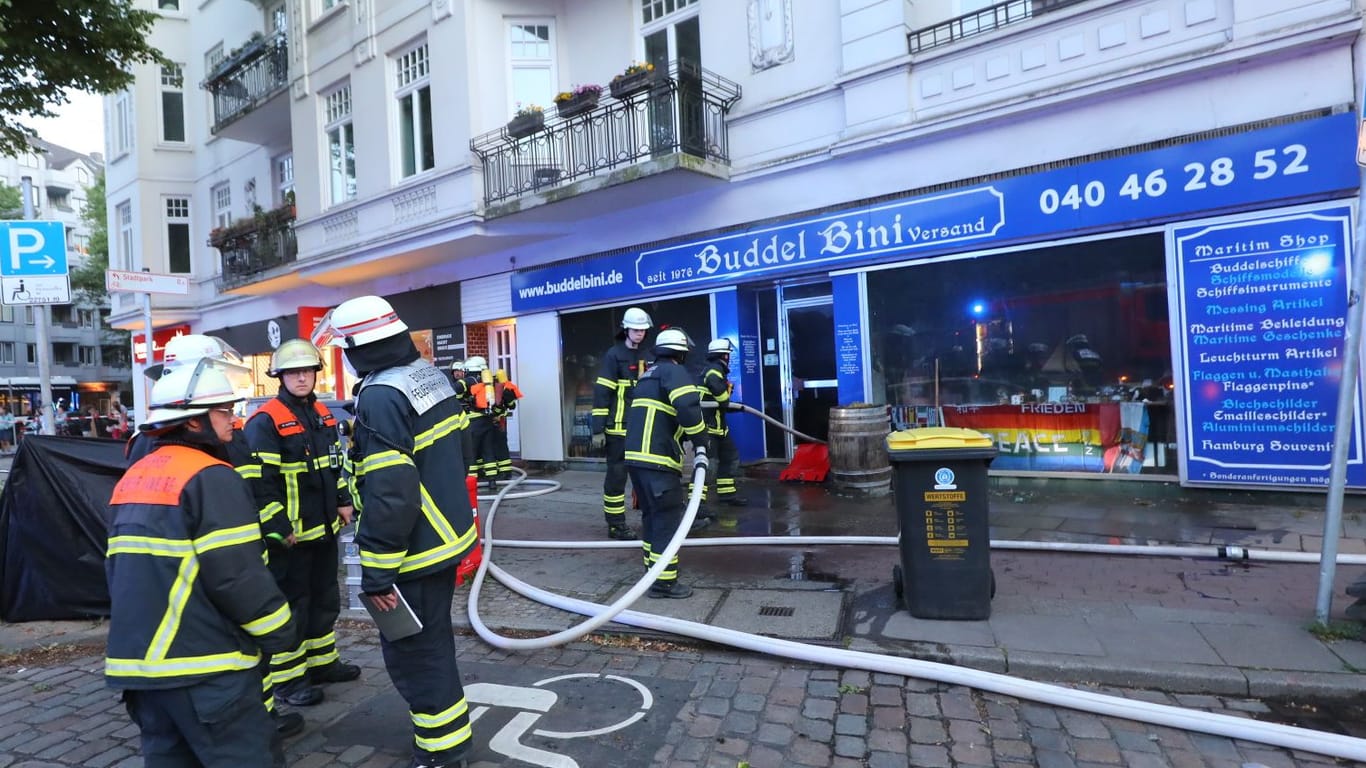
(88, 368)
(1009, 216)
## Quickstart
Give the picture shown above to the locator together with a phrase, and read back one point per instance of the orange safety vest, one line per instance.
(160, 476)
(286, 423)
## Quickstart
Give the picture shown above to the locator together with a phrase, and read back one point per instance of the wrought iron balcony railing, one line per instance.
(988, 19)
(256, 73)
(253, 248)
(681, 111)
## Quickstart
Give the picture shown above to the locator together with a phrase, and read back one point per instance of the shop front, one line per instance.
(1079, 315)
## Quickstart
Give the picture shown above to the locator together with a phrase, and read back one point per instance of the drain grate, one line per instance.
(776, 610)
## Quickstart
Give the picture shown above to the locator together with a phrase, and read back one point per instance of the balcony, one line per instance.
(246, 91)
(679, 113)
(252, 248)
(986, 20)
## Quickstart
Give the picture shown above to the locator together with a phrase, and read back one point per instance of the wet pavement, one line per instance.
(1202, 633)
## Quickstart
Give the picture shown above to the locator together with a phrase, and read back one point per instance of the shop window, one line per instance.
(585, 336)
(1064, 352)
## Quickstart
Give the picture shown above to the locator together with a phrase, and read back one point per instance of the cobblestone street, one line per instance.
(704, 707)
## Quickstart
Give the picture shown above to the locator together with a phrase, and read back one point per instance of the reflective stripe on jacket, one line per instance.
(621, 367)
(189, 590)
(299, 484)
(716, 388)
(410, 470)
(666, 406)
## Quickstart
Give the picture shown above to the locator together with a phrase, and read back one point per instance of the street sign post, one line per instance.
(33, 265)
(146, 282)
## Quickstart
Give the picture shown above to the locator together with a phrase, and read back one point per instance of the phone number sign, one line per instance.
(1294, 162)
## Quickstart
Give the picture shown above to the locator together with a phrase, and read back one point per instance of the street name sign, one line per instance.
(146, 282)
(33, 265)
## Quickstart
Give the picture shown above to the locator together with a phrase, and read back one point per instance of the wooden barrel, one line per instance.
(858, 450)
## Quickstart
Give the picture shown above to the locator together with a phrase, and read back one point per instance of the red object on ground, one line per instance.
(810, 463)
(471, 562)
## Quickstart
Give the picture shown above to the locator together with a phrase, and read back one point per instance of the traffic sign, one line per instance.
(39, 289)
(32, 248)
(146, 282)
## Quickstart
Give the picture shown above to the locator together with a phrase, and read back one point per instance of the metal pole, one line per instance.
(44, 347)
(1342, 430)
(147, 347)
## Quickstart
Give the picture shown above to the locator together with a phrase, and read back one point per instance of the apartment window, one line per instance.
(28, 314)
(532, 56)
(29, 160)
(122, 129)
(123, 214)
(178, 235)
(32, 353)
(172, 103)
(87, 318)
(341, 145)
(414, 92)
(6, 353)
(654, 10)
(330, 4)
(6, 314)
(82, 176)
(86, 355)
(222, 205)
(168, 5)
(213, 58)
(284, 176)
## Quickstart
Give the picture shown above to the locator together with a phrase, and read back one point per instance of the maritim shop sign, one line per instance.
(1290, 162)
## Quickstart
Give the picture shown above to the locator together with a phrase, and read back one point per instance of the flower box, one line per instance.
(577, 104)
(525, 124)
(625, 86)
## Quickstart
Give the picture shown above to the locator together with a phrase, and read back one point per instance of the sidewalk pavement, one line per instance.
(1182, 625)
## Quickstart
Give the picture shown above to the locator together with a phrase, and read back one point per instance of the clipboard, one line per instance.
(394, 624)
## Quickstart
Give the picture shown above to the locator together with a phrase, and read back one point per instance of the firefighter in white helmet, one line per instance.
(303, 502)
(186, 632)
(188, 350)
(621, 366)
(666, 404)
(723, 455)
(477, 396)
(415, 524)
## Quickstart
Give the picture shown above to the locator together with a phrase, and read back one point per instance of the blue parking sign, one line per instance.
(32, 248)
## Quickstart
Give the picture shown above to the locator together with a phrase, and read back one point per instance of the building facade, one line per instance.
(90, 367)
(1113, 235)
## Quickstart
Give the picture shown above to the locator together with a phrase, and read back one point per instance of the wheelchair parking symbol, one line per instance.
(530, 704)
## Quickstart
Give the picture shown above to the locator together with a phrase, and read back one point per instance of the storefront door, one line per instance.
(503, 357)
(809, 384)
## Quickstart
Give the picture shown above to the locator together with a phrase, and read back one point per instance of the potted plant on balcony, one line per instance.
(635, 79)
(577, 100)
(526, 121)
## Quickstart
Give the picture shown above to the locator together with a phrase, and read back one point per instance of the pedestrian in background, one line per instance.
(192, 605)
(415, 523)
(303, 503)
(6, 430)
(621, 366)
(666, 404)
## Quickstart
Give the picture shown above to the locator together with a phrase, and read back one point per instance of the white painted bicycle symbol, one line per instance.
(534, 702)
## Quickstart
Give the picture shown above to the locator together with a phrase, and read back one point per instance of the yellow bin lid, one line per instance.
(937, 437)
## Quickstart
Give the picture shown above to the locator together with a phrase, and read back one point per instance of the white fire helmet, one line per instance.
(189, 350)
(188, 391)
(721, 346)
(672, 339)
(636, 319)
(356, 322)
(476, 364)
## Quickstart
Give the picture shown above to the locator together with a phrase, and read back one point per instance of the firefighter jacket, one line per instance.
(666, 406)
(716, 389)
(189, 590)
(296, 469)
(621, 367)
(464, 392)
(414, 509)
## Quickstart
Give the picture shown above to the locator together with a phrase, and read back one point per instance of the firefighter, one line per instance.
(415, 524)
(303, 503)
(505, 396)
(723, 457)
(481, 404)
(192, 605)
(666, 404)
(621, 366)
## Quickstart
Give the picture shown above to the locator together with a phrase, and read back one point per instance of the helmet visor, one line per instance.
(326, 334)
(238, 376)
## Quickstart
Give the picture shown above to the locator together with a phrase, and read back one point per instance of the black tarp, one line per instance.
(54, 525)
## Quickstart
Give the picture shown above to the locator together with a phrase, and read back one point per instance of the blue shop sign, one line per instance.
(1262, 308)
(1293, 162)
